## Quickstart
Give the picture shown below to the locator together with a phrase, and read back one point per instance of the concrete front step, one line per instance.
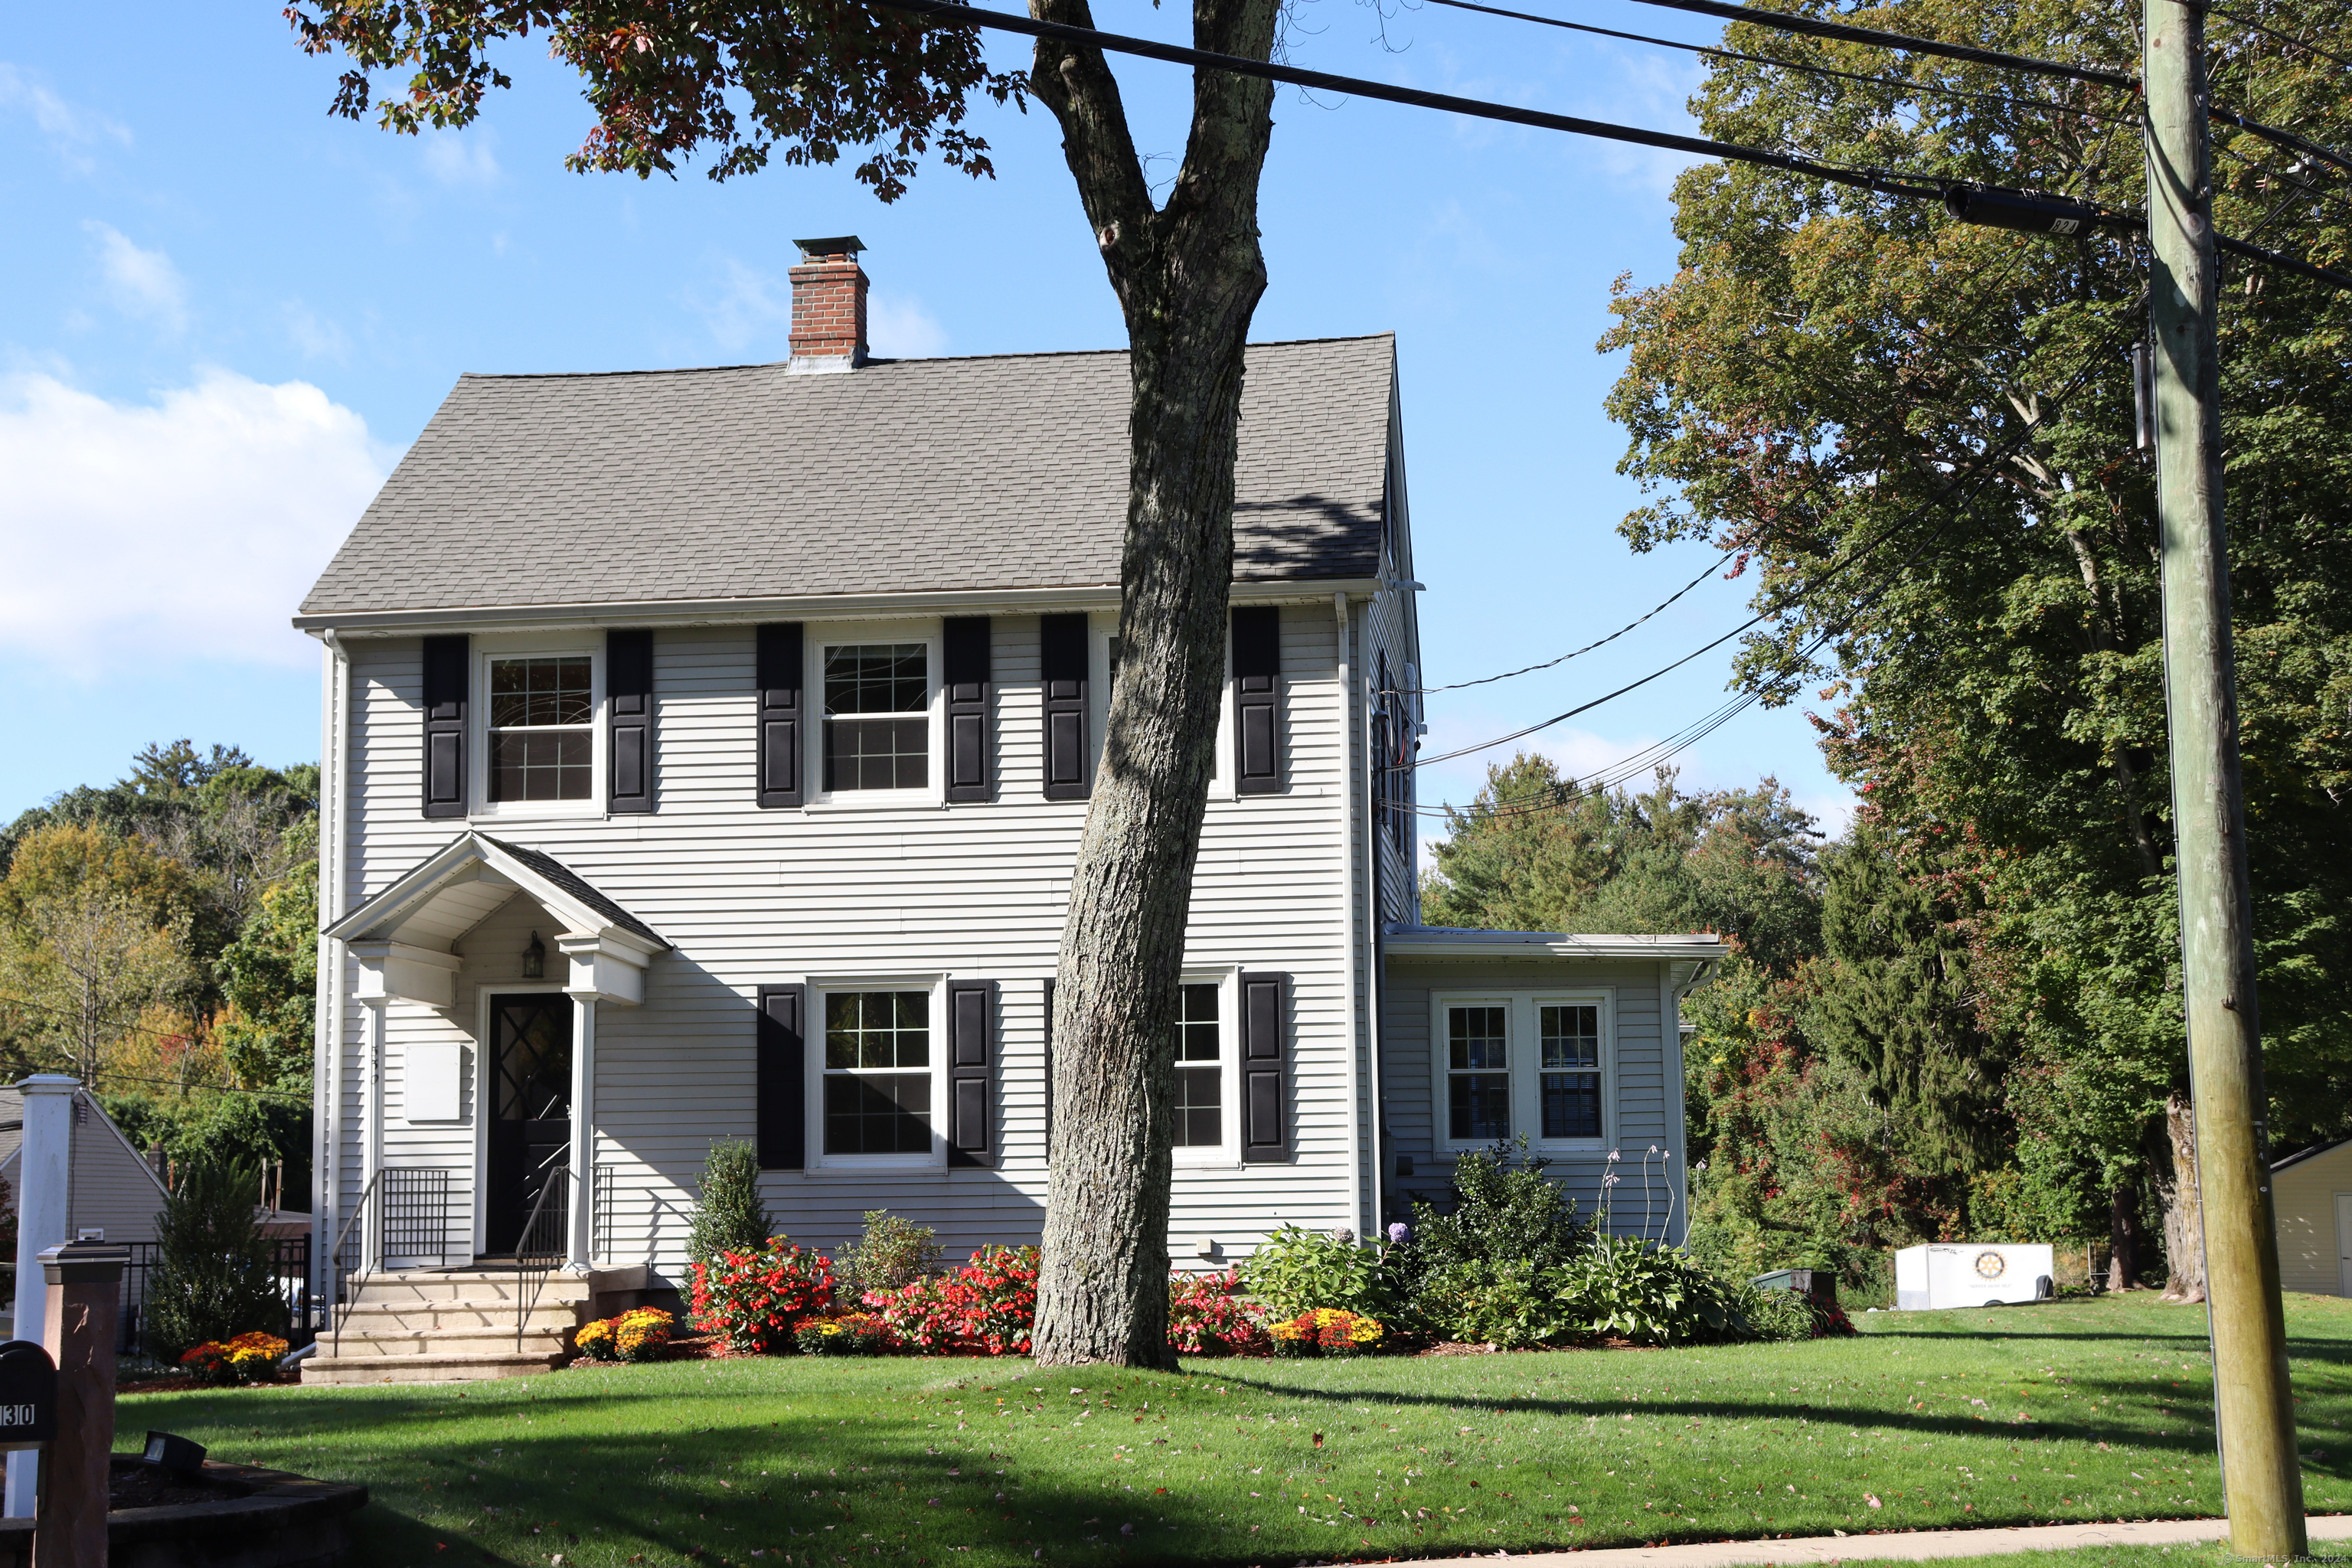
(365, 1341)
(328, 1369)
(464, 1285)
(552, 1311)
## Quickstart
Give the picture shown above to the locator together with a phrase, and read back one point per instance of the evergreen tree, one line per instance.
(729, 1217)
(213, 1279)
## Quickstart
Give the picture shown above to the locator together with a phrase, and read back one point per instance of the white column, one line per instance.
(372, 1130)
(583, 1237)
(43, 1213)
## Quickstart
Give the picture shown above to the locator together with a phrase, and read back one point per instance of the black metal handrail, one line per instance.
(543, 1245)
(347, 1267)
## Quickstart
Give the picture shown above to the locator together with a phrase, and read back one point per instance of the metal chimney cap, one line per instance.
(813, 248)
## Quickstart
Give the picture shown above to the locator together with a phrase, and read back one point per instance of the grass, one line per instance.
(2075, 1411)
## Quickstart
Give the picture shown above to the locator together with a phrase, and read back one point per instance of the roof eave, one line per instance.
(660, 612)
(1421, 941)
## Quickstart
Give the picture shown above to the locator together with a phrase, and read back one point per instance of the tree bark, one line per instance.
(1188, 276)
(2184, 1210)
(2123, 1236)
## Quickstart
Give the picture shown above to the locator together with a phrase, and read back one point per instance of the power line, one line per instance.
(1908, 86)
(2023, 212)
(1845, 33)
(2272, 32)
(1985, 465)
(153, 1033)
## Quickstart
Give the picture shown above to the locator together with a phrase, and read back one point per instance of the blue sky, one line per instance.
(229, 313)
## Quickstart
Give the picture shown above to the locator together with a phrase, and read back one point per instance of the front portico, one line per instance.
(480, 974)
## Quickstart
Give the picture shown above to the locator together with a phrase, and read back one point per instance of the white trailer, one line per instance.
(1964, 1274)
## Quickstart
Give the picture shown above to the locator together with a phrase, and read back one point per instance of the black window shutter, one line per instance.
(781, 1117)
(629, 718)
(1265, 1086)
(1062, 671)
(965, 652)
(1049, 1069)
(781, 713)
(446, 662)
(1257, 701)
(972, 1071)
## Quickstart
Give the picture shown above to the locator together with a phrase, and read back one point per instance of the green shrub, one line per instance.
(893, 1253)
(1296, 1271)
(1779, 1315)
(212, 1279)
(1477, 1272)
(730, 1217)
(1624, 1288)
(1477, 1301)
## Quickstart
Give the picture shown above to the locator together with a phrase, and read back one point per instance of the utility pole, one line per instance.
(2263, 1486)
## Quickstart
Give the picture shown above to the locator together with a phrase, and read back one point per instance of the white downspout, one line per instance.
(1372, 994)
(1348, 831)
(326, 1035)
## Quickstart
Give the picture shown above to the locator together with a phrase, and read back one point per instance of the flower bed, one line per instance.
(1208, 1315)
(1326, 1330)
(641, 1334)
(248, 1358)
(989, 1305)
(753, 1302)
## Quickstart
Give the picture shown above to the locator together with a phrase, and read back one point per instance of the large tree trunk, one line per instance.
(1188, 277)
(2184, 1206)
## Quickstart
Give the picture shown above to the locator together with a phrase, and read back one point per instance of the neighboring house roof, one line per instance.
(114, 1184)
(1462, 941)
(905, 476)
(2316, 1150)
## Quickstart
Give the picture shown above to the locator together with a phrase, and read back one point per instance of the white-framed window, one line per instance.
(878, 722)
(1207, 1115)
(541, 751)
(1540, 1065)
(877, 1095)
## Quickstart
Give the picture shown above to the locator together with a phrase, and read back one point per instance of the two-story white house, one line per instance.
(705, 755)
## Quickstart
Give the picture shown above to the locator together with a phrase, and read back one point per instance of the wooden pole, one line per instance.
(2256, 1411)
(84, 1280)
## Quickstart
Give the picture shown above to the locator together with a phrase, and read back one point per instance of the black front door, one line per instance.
(531, 1110)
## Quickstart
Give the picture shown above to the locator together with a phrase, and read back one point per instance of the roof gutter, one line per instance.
(637, 612)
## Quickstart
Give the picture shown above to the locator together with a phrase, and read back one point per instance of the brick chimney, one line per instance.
(828, 307)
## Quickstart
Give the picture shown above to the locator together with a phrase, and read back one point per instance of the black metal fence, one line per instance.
(289, 1265)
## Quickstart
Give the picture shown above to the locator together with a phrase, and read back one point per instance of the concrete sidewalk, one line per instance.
(1910, 1546)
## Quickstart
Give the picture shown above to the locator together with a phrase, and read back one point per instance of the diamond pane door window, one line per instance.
(1571, 1071)
(1478, 1074)
(1200, 1071)
(877, 730)
(542, 734)
(877, 1072)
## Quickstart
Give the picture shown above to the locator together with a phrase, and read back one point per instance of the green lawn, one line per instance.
(2096, 1409)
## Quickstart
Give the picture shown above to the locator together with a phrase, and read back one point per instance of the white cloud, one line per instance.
(145, 284)
(743, 304)
(72, 131)
(461, 158)
(317, 336)
(899, 328)
(190, 528)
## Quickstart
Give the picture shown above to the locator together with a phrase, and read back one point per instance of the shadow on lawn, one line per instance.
(859, 1490)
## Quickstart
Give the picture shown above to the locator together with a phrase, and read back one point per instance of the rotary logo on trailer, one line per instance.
(1991, 1265)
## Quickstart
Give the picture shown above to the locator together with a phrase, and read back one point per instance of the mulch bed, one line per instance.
(150, 1487)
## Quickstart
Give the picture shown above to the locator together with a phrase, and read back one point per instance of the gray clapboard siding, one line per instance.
(754, 896)
(1638, 1116)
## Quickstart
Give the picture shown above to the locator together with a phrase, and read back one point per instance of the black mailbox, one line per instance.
(28, 1396)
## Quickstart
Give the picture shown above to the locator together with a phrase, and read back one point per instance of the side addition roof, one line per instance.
(903, 476)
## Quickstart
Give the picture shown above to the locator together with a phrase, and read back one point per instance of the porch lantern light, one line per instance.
(535, 959)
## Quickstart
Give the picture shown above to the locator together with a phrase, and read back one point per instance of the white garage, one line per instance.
(2311, 1198)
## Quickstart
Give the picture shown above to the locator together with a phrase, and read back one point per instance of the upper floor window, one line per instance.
(1528, 1064)
(1200, 1070)
(877, 1072)
(542, 732)
(877, 727)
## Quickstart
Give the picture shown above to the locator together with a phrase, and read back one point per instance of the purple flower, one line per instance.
(1399, 1234)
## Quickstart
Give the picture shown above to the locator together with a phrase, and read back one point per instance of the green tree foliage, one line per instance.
(890, 1252)
(1533, 852)
(1827, 363)
(213, 1278)
(730, 1216)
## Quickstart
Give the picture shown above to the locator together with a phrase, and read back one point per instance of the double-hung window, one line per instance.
(1532, 1065)
(1200, 1069)
(877, 725)
(541, 730)
(877, 1073)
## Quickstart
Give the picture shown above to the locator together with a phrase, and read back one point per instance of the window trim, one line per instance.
(1523, 1022)
(1226, 1154)
(822, 639)
(481, 806)
(934, 985)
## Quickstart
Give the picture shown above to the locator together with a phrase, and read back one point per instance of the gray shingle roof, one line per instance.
(903, 476)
